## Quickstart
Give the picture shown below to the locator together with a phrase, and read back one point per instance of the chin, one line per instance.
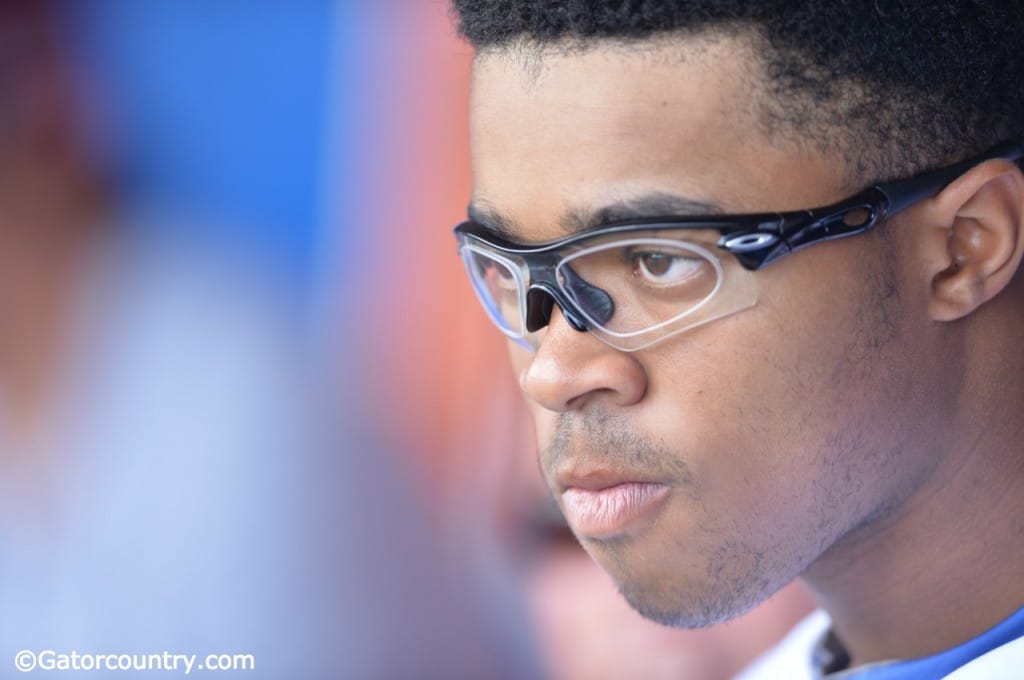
(693, 613)
(689, 614)
(682, 600)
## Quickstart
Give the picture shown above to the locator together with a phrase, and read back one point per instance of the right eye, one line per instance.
(504, 277)
(498, 278)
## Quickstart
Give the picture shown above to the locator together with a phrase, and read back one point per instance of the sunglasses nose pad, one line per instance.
(597, 303)
(540, 304)
(538, 310)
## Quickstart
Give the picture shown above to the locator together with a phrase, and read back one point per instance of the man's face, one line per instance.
(706, 471)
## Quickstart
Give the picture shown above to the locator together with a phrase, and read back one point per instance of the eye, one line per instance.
(498, 276)
(664, 269)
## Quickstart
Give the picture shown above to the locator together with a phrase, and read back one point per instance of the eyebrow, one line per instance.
(575, 220)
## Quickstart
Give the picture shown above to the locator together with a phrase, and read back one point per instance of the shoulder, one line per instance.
(793, 657)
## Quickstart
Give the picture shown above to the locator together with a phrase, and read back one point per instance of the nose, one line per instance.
(570, 369)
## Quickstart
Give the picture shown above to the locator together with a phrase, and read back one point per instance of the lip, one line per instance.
(605, 512)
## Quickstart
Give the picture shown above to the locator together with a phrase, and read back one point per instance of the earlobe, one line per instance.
(983, 215)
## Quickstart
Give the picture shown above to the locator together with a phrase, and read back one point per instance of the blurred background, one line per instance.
(247, 401)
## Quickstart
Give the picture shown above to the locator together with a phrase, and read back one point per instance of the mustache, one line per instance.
(611, 440)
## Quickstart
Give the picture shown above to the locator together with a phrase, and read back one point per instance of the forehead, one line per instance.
(576, 130)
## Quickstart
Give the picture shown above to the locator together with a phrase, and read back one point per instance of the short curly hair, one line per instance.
(896, 87)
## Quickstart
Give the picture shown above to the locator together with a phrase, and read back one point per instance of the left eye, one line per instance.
(663, 268)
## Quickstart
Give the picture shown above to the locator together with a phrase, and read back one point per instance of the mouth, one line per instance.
(603, 512)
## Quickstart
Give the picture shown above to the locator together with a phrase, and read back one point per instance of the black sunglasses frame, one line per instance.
(758, 239)
(755, 239)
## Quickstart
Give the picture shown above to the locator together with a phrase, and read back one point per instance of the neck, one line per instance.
(945, 565)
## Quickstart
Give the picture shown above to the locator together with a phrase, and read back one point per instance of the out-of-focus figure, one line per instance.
(174, 474)
(153, 416)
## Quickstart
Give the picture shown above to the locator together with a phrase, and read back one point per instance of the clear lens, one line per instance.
(646, 283)
(499, 288)
(631, 291)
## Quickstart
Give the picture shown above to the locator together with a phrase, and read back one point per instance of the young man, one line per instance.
(732, 385)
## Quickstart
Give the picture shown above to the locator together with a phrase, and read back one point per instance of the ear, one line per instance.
(980, 245)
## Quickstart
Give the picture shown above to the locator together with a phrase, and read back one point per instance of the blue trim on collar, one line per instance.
(943, 663)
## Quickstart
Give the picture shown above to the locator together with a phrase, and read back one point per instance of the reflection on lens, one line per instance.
(497, 286)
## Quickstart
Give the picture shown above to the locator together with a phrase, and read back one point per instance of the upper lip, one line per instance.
(597, 478)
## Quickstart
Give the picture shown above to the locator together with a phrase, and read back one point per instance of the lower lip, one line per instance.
(607, 512)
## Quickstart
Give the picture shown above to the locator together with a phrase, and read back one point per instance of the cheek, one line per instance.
(780, 407)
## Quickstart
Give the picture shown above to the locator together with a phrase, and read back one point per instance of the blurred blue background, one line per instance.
(220, 110)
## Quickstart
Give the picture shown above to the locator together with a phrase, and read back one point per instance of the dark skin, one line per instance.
(859, 427)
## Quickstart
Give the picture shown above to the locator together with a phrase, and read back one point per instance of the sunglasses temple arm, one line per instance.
(905, 193)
